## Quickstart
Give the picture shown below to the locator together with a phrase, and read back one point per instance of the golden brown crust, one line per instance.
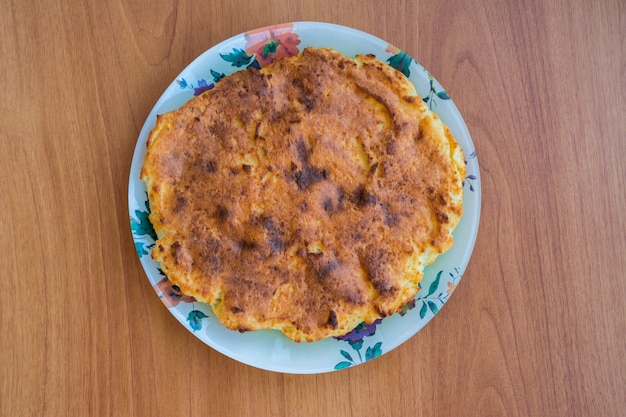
(305, 197)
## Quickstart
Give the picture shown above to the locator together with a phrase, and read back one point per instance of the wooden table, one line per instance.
(536, 327)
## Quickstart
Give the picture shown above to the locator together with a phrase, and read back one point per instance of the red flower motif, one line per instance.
(393, 49)
(171, 294)
(272, 42)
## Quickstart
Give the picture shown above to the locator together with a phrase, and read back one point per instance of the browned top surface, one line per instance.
(306, 197)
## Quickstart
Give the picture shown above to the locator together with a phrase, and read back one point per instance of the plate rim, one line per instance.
(298, 27)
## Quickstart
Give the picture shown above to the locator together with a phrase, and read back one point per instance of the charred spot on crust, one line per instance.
(361, 197)
(219, 129)
(305, 94)
(382, 313)
(341, 195)
(248, 245)
(441, 216)
(355, 297)
(309, 175)
(209, 255)
(181, 202)
(332, 319)
(245, 244)
(322, 266)
(302, 151)
(389, 218)
(274, 235)
(176, 251)
(221, 213)
(373, 168)
(237, 309)
(334, 203)
(373, 262)
(209, 166)
(327, 268)
(308, 102)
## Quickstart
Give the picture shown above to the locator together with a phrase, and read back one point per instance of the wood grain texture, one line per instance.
(536, 327)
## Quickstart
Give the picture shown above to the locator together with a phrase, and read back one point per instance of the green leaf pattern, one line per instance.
(373, 351)
(195, 319)
(142, 230)
(237, 58)
(436, 297)
(402, 62)
(434, 92)
(435, 284)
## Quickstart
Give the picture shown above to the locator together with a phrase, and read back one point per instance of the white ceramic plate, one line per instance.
(268, 349)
